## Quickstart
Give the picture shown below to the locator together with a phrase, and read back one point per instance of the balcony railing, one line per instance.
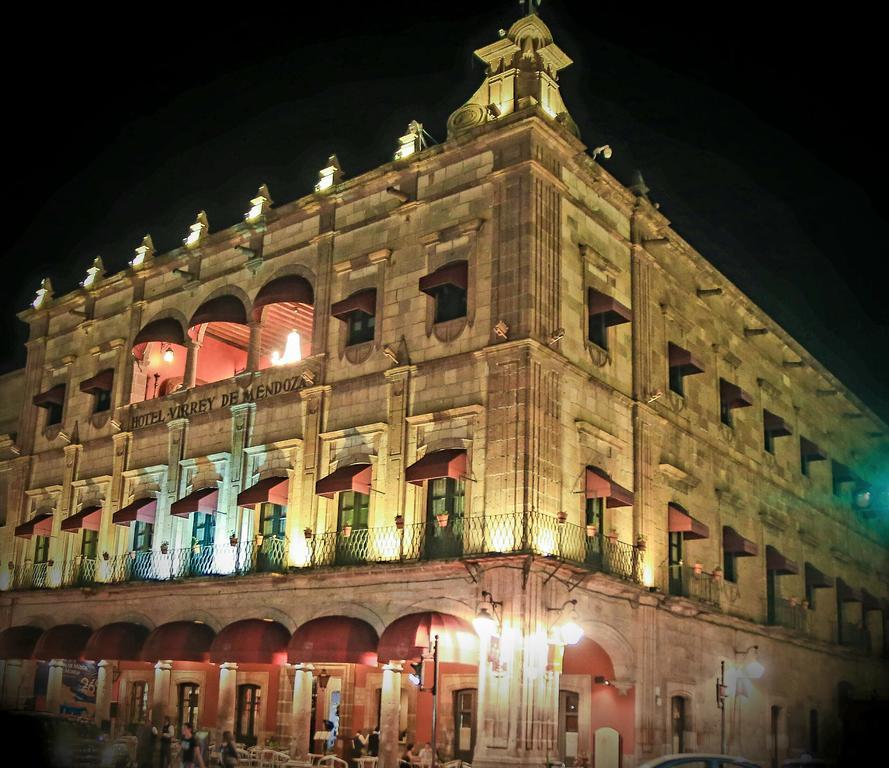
(457, 537)
(791, 614)
(853, 636)
(687, 581)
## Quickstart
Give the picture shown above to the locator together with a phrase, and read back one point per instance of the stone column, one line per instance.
(390, 706)
(103, 690)
(54, 686)
(228, 691)
(254, 347)
(301, 714)
(191, 363)
(12, 682)
(160, 695)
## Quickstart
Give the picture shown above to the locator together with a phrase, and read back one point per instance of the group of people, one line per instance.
(366, 742)
(411, 757)
(190, 755)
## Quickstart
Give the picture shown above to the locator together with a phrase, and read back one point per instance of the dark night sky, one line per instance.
(758, 136)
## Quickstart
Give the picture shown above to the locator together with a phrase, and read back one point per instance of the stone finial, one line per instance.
(259, 205)
(522, 70)
(44, 294)
(144, 253)
(411, 142)
(94, 274)
(330, 175)
(197, 231)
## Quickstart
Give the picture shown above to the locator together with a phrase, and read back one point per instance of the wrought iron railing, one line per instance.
(853, 636)
(791, 614)
(692, 582)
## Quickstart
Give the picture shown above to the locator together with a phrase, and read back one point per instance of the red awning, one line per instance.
(201, 500)
(601, 304)
(120, 641)
(53, 396)
(223, 309)
(456, 273)
(683, 359)
(450, 462)
(271, 490)
(599, 486)
(362, 301)
(682, 522)
(735, 544)
(179, 641)
(775, 425)
(89, 518)
(101, 382)
(19, 642)
(39, 525)
(810, 451)
(166, 329)
(816, 579)
(779, 564)
(334, 640)
(870, 602)
(847, 594)
(289, 288)
(411, 636)
(64, 641)
(141, 510)
(352, 477)
(733, 396)
(251, 641)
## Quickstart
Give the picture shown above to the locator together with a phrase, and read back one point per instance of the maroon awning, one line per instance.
(271, 490)
(103, 381)
(353, 477)
(599, 486)
(53, 396)
(141, 510)
(870, 602)
(842, 473)
(450, 462)
(64, 641)
(291, 289)
(775, 425)
(39, 525)
(334, 640)
(684, 360)
(810, 451)
(456, 273)
(735, 544)
(19, 642)
(223, 309)
(847, 594)
(412, 636)
(201, 500)
(778, 563)
(817, 579)
(120, 641)
(251, 641)
(613, 311)
(89, 518)
(166, 329)
(179, 641)
(362, 301)
(682, 522)
(733, 396)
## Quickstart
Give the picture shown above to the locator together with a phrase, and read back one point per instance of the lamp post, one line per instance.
(720, 702)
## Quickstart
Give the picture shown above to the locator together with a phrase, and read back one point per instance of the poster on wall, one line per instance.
(77, 697)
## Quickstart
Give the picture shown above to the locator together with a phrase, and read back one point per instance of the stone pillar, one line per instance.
(103, 690)
(301, 714)
(54, 686)
(12, 682)
(228, 692)
(160, 695)
(191, 363)
(254, 347)
(390, 706)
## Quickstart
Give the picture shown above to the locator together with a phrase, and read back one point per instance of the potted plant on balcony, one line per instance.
(165, 547)
(11, 565)
(233, 539)
(592, 530)
(50, 563)
(562, 518)
(442, 519)
(641, 543)
(399, 522)
(196, 546)
(698, 569)
(612, 534)
(347, 530)
(307, 532)
(106, 556)
(717, 573)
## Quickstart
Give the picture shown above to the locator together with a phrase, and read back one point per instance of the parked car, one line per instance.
(693, 760)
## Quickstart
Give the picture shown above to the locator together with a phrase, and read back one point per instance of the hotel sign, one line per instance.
(211, 401)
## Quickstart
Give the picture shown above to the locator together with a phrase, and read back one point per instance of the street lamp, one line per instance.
(570, 631)
(486, 622)
(753, 670)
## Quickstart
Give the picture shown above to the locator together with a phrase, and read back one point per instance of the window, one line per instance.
(41, 549)
(361, 328)
(272, 519)
(89, 544)
(768, 441)
(138, 708)
(53, 402)
(53, 414)
(674, 562)
(771, 597)
(447, 286)
(354, 508)
(595, 514)
(773, 426)
(598, 331)
(143, 533)
(603, 312)
(247, 717)
(840, 474)
(187, 705)
(358, 313)
(679, 726)
(681, 364)
(102, 400)
(450, 303)
(203, 528)
(731, 396)
(810, 595)
(446, 496)
(730, 566)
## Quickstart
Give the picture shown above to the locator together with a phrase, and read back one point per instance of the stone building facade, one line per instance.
(252, 478)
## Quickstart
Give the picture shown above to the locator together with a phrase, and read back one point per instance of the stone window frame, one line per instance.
(600, 274)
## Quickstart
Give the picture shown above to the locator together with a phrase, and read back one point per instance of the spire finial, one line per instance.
(530, 6)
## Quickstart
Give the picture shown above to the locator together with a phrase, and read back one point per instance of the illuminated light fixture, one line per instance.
(415, 676)
(197, 231)
(259, 205)
(44, 294)
(568, 630)
(144, 253)
(486, 622)
(862, 498)
(94, 274)
(168, 355)
(329, 175)
(292, 351)
(411, 142)
(605, 150)
(754, 668)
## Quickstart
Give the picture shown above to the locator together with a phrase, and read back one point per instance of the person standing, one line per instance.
(166, 739)
(228, 753)
(145, 745)
(190, 756)
(373, 743)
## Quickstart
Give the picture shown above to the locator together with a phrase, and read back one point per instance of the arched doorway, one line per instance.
(283, 317)
(159, 354)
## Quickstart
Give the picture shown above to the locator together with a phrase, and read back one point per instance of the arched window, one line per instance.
(187, 710)
(284, 308)
(249, 700)
(159, 354)
(219, 330)
(679, 723)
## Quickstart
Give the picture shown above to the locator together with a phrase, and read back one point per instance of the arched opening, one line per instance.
(220, 340)
(159, 355)
(282, 322)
